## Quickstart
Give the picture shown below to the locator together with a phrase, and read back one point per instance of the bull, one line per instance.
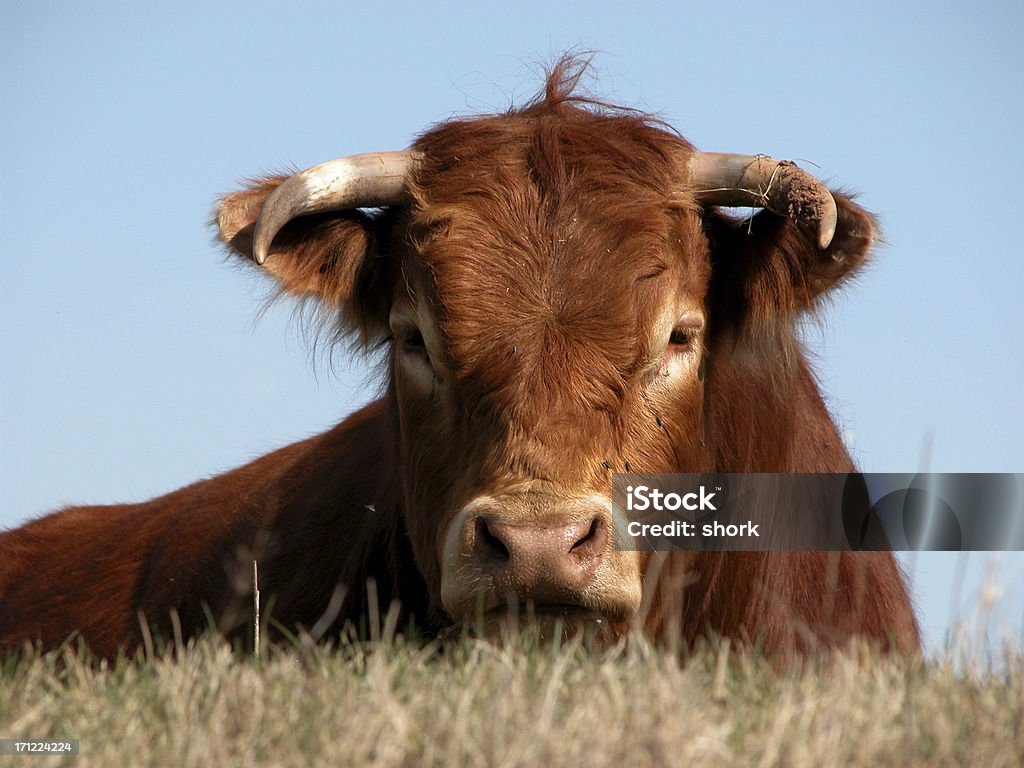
(558, 298)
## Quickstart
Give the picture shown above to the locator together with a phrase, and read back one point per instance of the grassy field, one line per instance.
(511, 704)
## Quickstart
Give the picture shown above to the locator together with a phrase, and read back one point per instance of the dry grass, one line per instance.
(521, 703)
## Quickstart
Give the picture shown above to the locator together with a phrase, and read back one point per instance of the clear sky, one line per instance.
(133, 359)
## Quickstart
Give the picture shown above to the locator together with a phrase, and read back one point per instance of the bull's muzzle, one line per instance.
(531, 554)
(548, 564)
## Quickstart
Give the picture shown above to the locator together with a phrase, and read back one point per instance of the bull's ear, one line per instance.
(322, 255)
(770, 267)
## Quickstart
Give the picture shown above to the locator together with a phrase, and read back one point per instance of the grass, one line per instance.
(520, 702)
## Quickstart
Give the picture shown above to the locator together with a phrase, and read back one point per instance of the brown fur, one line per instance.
(547, 244)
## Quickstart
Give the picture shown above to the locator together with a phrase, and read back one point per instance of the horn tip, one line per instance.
(827, 225)
(259, 253)
(260, 240)
(825, 235)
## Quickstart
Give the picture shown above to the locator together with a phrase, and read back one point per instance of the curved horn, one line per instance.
(758, 180)
(361, 181)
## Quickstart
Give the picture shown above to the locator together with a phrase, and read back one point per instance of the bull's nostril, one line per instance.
(588, 536)
(592, 543)
(487, 545)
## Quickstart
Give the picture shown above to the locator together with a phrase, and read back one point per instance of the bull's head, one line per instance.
(557, 292)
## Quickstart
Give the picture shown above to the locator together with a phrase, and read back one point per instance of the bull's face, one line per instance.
(542, 339)
(547, 282)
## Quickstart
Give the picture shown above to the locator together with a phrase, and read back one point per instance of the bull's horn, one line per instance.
(757, 180)
(361, 181)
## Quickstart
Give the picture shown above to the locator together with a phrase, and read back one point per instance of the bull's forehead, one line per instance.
(591, 281)
(530, 276)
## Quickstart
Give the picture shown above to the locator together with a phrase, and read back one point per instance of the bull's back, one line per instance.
(99, 572)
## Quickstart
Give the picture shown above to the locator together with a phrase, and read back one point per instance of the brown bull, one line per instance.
(558, 299)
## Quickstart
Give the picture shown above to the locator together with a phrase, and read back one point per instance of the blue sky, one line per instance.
(133, 358)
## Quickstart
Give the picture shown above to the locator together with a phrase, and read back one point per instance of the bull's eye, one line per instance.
(410, 344)
(412, 339)
(684, 342)
(681, 337)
